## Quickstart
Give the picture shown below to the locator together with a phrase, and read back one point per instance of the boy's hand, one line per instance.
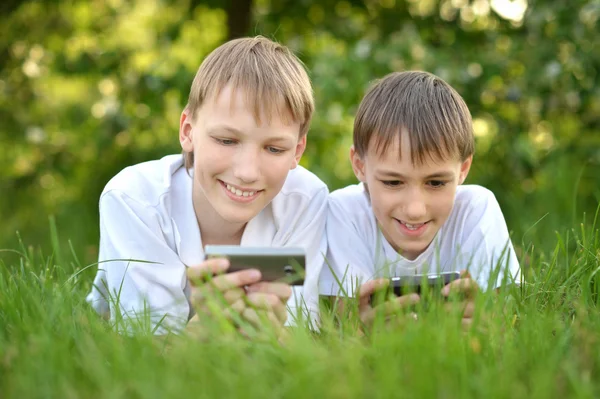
(387, 309)
(467, 289)
(240, 293)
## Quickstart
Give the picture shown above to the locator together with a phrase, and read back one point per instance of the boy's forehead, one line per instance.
(398, 153)
(233, 100)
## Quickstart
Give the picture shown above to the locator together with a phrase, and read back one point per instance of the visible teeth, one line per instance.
(412, 226)
(239, 193)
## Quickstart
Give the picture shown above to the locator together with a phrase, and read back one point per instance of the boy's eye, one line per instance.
(225, 141)
(274, 150)
(437, 183)
(391, 183)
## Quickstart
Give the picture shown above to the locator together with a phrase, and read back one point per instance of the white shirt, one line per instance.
(474, 237)
(147, 213)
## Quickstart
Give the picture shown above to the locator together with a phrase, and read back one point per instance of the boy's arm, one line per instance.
(349, 261)
(149, 294)
(487, 250)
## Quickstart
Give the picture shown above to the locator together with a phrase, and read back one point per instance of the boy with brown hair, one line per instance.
(410, 214)
(238, 182)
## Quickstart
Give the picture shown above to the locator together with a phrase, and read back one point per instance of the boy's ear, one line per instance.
(464, 169)
(300, 147)
(185, 131)
(358, 165)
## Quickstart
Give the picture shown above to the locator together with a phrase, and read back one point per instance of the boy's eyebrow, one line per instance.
(217, 128)
(437, 175)
(230, 129)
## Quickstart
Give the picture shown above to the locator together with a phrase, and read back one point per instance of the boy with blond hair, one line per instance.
(238, 182)
(410, 214)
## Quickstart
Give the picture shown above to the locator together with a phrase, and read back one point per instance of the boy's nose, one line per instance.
(415, 210)
(246, 166)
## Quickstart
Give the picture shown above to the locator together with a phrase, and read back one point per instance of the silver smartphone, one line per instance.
(283, 264)
(403, 285)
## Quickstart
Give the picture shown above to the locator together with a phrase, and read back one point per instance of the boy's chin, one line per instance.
(237, 216)
(411, 249)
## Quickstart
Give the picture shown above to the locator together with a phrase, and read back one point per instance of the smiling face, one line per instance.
(240, 165)
(411, 201)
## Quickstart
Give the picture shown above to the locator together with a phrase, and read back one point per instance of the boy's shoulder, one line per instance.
(350, 208)
(473, 195)
(350, 196)
(476, 206)
(303, 195)
(302, 182)
(352, 199)
(146, 182)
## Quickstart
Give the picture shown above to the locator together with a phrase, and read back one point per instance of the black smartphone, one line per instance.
(282, 264)
(403, 285)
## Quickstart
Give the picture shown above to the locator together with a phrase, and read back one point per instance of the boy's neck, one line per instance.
(214, 230)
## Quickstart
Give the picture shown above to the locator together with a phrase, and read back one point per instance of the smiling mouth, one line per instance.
(239, 192)
(412, 226)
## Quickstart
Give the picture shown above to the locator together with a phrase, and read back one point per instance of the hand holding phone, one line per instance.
(391, 310)
(242, 293)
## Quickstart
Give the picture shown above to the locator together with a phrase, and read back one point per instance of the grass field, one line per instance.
(537, 341)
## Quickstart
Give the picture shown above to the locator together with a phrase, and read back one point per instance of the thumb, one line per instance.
(369, 288)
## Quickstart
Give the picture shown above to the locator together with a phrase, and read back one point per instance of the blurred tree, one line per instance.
(239, 14)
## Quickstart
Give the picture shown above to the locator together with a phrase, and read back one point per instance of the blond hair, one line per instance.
(420, 104)
(271, 77)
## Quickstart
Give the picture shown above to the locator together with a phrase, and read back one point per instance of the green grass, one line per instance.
(537, 341)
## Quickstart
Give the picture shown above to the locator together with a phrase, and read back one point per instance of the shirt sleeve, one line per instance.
(487, 251)
(138, 294)
(309, 233)
(349, 261)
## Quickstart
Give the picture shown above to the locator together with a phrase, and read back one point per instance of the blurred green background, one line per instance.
(89, 87)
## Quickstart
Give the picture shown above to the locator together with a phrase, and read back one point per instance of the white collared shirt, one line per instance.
(474, 237)
(147, 213)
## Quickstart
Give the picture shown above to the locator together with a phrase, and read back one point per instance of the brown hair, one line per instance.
(422, 105)
(271, 77)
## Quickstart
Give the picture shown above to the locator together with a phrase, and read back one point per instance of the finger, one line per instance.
(269, 302)
(199, 294)
(466, 286)
(466, 323)
(205, 292)
(239, 306)
(368, 315)
(281, 290)
(408, 300)
(466, 307)
(264, 301)
(273, 304)
(469, 310)
(368, 288)
(207, 269)
(388, 308)
(232, 295)
(399, 303)
(236, 279)
(401, 319)
(276, 322)
(251, 316)
(260, 319)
